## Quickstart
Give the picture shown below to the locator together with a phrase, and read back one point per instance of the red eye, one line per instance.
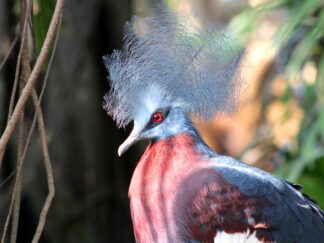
(157, 117)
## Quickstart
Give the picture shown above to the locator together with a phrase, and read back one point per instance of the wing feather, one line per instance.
(235, 197)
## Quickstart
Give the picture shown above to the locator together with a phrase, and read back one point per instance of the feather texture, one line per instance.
(193, 66)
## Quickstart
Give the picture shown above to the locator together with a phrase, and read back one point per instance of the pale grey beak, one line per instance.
(132, 138)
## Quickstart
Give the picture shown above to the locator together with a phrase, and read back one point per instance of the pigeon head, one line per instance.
(170, 66)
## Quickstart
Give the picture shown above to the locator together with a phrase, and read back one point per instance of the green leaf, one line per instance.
(42, 18)
(313, 187)
(247, 21)
(305, 47)
(297, 15)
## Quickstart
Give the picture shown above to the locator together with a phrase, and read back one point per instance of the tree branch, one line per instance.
(32, 79)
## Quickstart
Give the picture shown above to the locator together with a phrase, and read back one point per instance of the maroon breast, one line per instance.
(155, 184)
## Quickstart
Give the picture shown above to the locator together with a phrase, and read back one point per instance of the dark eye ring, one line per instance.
(157, 117)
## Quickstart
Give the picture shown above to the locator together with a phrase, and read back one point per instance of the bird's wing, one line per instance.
(232, 197)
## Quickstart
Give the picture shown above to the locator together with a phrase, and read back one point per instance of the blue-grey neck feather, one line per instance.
(192, 65)
(177, 122)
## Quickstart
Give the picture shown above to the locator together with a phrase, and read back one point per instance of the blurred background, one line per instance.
(279, 127)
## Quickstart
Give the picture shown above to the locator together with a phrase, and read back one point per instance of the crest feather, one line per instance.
(192, 65)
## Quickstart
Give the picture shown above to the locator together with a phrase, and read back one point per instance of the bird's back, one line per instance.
(181, 193)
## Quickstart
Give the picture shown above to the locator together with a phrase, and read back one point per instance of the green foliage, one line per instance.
(302, 38)
(43, 11)
(313, 181)
(308, 45)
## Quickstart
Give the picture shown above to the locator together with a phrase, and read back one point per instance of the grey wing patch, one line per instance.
(250, 180)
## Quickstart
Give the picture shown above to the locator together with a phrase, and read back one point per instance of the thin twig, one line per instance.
(4, 182)
(49, 172)
(15, 85)
(16, 189)
(25, 9)
(8, 53)
(32, 32)
(18, 176)
(56, 19)
(32, 79)
(5, 228)
(15, 199)
(47, 161)
(48, 167)
(16, 209)
(19, 170)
